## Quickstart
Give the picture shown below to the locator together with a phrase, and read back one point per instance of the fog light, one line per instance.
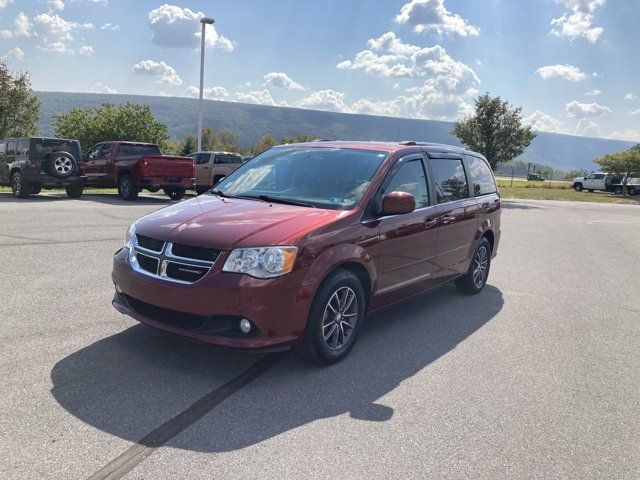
(245, 325)
(118, 289)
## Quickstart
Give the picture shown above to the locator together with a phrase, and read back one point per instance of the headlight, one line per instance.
(261, 262)
(130, 233)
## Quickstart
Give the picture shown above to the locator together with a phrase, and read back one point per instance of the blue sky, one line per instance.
(569, 63)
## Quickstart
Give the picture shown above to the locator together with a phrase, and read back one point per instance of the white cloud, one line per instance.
(628, 134)
(635, 112)
(52, 27)
(426, 15)
(578, 22)
(176, 27)
(260, 97)
(22, 25)
(281, 80)
(14, 54)
(4, 3)
(6, 34)
(56, 4)
(588, 128)
(630, 96)
(102, 88)
(593, 93)
(544, 122)
(328, 99)
(393, 58)
(212, 93)
(164, 72)
(576, 109)
(566, 72)
(57, 47)
(110, 26)
(86, 50)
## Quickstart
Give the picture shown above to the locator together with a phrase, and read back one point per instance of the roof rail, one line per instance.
(322, 140)
(407, 142)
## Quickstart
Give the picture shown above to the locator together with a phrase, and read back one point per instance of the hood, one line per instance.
(226, 223)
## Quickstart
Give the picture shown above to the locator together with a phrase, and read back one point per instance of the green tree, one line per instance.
(265, 143)
(621, 163)
(129, 122)
(19, 107)
(495, 130)
(301, 138)
(223, 140)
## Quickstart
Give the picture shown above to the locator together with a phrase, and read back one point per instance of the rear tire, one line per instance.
(35, 188)
(74, 191)
(126, 189)
(617, 190)
(590, 191)
(20, 188)
(335, 318)
(577, 187)
(177, 194)
(475, 279)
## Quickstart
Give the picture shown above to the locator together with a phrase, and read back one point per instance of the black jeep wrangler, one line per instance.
(31, 164)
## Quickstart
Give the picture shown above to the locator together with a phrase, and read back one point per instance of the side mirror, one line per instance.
(398, 203)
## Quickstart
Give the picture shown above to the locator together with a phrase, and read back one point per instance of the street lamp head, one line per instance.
(207, 21)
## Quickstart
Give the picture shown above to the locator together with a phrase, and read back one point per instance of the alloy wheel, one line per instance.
(63, 165)
(481, 265)
(339, 318)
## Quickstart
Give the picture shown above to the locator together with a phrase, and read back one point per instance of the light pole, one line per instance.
(204, 21)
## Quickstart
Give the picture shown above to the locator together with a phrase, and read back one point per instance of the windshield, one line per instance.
(320, 177)
(43, 147)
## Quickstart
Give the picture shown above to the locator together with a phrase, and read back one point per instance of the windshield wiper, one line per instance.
(221, 194)
(286, 201)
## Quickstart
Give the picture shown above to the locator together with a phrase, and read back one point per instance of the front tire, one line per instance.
(19, 187)
(74, 191)
(126, 189)
(475, 279)
(577, 187)
(335, 318)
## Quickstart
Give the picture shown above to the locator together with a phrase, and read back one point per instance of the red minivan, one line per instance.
(298, 245)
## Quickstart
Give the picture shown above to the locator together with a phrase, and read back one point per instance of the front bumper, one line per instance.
(277, 308)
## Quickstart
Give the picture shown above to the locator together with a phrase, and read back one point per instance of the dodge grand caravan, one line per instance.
(296, 246)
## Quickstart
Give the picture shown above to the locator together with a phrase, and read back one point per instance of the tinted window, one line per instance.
(449, 179)
(107, 150)
(228, 159)
(3, 149)
(202, 158)
(139, 150)
(599, 176)
(42, 148)
(330, 178)
(23, 147)
(481, 176)
(411, 179)
(11, 148)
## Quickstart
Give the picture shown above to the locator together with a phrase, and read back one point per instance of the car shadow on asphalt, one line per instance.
(129, 383)
(518, 206)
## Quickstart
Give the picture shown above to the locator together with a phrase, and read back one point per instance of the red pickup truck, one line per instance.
(133, 167)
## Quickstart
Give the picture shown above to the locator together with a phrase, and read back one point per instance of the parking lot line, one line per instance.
(135, 454)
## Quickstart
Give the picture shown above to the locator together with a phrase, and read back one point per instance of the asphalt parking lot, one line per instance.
(537, 377)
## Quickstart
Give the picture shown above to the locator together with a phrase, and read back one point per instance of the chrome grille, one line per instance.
(175, 263)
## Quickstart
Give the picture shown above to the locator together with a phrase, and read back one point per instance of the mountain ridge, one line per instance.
(251, 122)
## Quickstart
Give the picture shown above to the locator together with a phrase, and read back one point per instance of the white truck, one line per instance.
(608, 183)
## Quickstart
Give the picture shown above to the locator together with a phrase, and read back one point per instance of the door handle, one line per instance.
(430, 222)
(448, 219)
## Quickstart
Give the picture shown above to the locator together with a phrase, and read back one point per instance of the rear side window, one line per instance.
(11, 148)
(3, 149)
(481, 177)
(410, 178)
(449, 179)
(599, 176)
(139, 150)
(23, 147)
(228, 159)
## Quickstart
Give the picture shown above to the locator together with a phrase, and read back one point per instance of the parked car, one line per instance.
(30, 164)
(596, 181)
(211, 167)
(631, 181)
(297, 245)
(535, 177)
(133, 167)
